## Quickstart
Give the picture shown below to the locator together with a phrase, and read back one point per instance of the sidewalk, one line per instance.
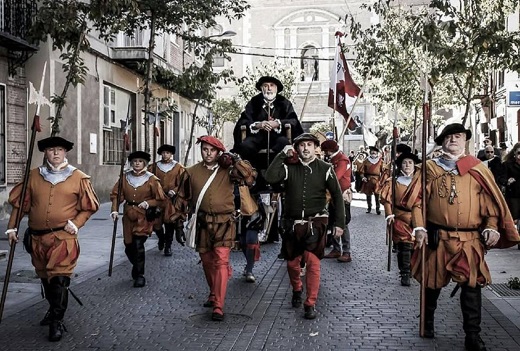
(361, 306)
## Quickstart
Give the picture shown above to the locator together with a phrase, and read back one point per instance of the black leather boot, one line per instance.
(46, 320)
(59, 298)
(160, 237)
(131, 255)
(471, 304)
(378, 205)
(369, 203)
(296, 300)
(405, 251)
(138, 242)
(431, 304)
(168, 238)
(180, 237)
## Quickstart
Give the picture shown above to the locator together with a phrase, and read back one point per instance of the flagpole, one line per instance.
(335, 91)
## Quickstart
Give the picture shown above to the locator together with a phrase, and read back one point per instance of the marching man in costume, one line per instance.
(466, 215)
(401, 217)
(141, 191)
(59, 200)
(307, 180)
(370, 175)
(209, 189)
(169, 173)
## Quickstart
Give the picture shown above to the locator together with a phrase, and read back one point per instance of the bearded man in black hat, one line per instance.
(169, 172)
(466, 216)
(59, 200)
(265, 116)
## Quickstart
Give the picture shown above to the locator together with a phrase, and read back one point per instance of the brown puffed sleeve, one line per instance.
(113, 197)
(14, 200)
(157, 192)
(182, 198)
(88, 203)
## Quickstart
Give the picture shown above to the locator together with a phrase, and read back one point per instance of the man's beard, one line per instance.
(269, 95)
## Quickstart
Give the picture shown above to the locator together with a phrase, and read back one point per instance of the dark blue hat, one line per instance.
(166, 147)
(269, 79)
(139, 154)
(54, 141)
(451, 129)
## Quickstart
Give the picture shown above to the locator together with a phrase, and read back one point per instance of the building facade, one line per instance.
(15, 50)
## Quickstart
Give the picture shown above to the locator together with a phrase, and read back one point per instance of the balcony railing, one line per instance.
(16, 18)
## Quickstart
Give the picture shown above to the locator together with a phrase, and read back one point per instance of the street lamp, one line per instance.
(226, 34)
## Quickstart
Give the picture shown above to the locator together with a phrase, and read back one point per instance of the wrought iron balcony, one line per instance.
(16, 18)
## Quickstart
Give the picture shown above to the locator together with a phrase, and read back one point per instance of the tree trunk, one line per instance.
(55, 127)
(148, 83)
(192, 131)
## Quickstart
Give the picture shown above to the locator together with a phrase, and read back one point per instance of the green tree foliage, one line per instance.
(286, 73)
(222, 111)
(66, 23)
(455, 48)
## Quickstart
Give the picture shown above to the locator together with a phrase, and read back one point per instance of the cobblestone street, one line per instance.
(361, 306)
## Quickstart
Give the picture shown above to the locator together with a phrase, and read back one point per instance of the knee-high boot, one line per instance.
(160, 237)
(168, 238)
(431, 305)
(404, 255)
(138, 242)
(45, 291)
(378, 205)
(369, 203)
(471, 304)
(58, 299)
(131, 255)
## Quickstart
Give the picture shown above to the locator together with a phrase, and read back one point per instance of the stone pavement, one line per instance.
(361, 306)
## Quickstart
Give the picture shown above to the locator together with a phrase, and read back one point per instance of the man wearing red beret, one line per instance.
(211, 181)
(343, 170)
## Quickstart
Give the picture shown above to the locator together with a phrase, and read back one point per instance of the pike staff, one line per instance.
(426, 118)
(126, 147)
(393, 174)
(40, 100)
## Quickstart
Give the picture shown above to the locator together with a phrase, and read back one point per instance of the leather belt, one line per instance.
(132, 203)
(450, 229)
(44, 231)
(400, 208)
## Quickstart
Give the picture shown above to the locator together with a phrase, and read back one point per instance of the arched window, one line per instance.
(309, 64)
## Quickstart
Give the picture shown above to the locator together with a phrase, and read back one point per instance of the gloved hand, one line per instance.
(71, 228)
(12, 235)
(143, 205)
(491, 237)
(390, 219)
(338, 232)
(180, 236)
(364, 179)
(421, 237)
(171, 193)
(114, 215)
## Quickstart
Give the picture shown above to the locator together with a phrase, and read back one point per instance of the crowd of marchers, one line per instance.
(229, 198)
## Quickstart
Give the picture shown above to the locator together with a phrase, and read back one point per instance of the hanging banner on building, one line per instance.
(514, 98)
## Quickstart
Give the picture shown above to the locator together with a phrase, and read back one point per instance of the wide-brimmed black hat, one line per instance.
(403, 148)
(269, 79)
(139, 154)
(166, 147)
(373, 148)
(306, 137)
(452, 129)
(405, 155)
(53, 142)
